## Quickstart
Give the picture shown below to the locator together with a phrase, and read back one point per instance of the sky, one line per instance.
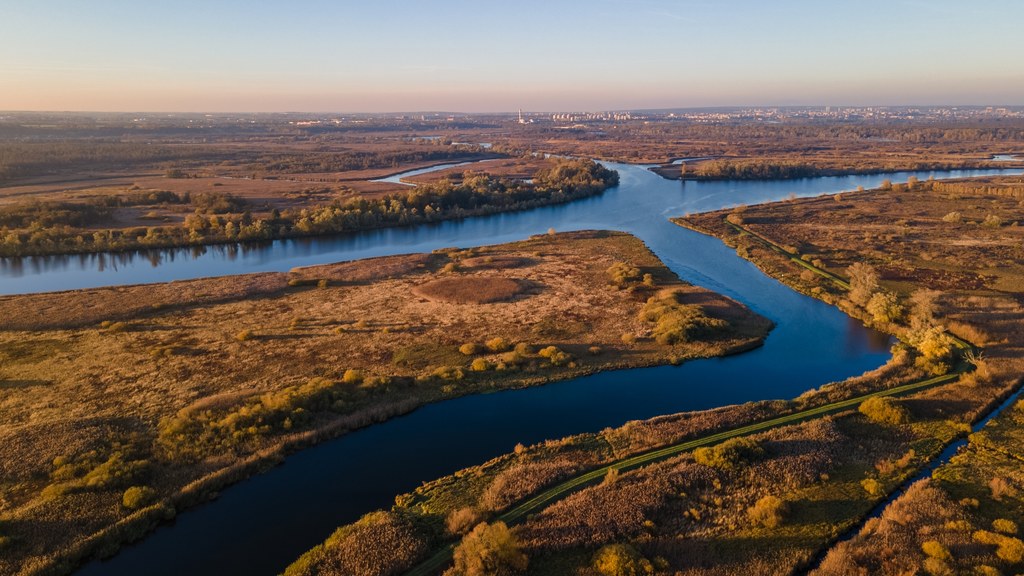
(499, 56)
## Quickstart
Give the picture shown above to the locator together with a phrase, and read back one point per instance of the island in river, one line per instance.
(123, 405)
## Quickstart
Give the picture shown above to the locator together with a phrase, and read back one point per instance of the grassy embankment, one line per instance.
(123, 405)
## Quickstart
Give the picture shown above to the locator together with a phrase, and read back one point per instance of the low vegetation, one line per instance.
(926, 261)
(56, 228)
(125, 404)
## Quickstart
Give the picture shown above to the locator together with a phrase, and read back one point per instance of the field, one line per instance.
(120, 184)
(122, 405)
(956, 244)
(775, 501)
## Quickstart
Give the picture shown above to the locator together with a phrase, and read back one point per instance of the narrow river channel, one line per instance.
(260, 525)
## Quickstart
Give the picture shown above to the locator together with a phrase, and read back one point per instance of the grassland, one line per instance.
(956, 244)
(771, 503)
(121, 406)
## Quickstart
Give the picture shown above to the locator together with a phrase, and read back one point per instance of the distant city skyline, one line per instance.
(462, 56)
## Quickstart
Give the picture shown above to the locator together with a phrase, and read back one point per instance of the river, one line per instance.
(261, 524)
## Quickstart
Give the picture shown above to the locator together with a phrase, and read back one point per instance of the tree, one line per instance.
(621, 560)
(768, 511)
(885, 307)
(863, 282)
(924, 304)
(489, 550)
(884, 410)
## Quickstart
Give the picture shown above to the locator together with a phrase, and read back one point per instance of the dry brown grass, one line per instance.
(905, 234)
(473, 289)
(367, 270)
(71, 392)
(90, 307)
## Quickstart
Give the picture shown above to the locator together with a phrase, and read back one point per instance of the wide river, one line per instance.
(261, 524)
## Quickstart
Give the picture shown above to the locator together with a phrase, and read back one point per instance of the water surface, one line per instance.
(260, 525)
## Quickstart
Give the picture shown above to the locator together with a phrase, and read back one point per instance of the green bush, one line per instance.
(730, 454)
(622, 275)
(935, 549)
(621, 560)
(470, 348)
(137, 497)
(1005, 526)
(885, 410)
(352, 376)
(449, 373)
(885, 307)
(768, 512)
(489, 550)
(498, 344)
(675, 322)
(556, 356)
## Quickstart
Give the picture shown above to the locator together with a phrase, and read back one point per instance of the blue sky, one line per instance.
(541, 55)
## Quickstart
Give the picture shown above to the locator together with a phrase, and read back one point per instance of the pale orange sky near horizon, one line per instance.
(111, 55)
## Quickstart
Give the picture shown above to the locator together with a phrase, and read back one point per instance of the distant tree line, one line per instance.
(55, 228)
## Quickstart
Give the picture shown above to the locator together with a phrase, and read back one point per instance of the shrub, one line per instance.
(352, 376)
(621, 275)
(885, 307)
(620, 560)
(729, 454)
(462, 520)
(244, 335)
(768, 511)
(498, 344)
(523, 349)
(470, 348)
(1001, 487)
(676, 322)
(863, 282)
(489, 550)
(556, 356)
(1008, 548)
(1005, 526)
(137, 497)
(953, 218)
(322, 283)
(449, 373)
(480, 365)
(936, 349)
(992, 221)
(884, 410)
(873, 487)
(935, 549)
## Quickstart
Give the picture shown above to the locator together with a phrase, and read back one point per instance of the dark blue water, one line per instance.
(260, 525)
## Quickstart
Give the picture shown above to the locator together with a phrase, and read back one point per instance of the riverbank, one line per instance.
(83, 227)
(823, 477)
(955, 240)
(710, 169)
(169, 401)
